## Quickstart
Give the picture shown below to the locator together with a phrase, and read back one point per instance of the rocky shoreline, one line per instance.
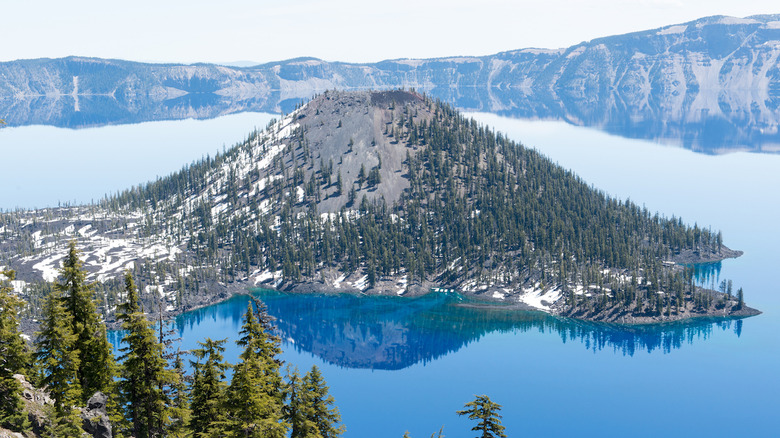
(689, 257)
(333, 281)
(485, 298)
(499, 296)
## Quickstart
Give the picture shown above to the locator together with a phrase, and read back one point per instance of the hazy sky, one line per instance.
(343, 30)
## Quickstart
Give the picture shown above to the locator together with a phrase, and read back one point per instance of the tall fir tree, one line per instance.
(59, 362)
(143, 373)
(179, 397)
(97, 367)
(486, 412)
(209, 389)
(297, 411)
(14, 358)
(255, 396)
(322, 407)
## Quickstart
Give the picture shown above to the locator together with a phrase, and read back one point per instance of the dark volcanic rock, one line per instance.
(95, 418)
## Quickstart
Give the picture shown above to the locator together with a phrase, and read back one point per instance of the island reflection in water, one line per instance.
(393, 333)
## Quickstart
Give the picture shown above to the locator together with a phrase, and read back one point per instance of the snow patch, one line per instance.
(672, 30)
(324, 217)
(49, 267)
(268, 275)
(538, 298)
(736, 20)
(410, 62)
(19, 286)
(361, 283)
(152, 289)
(337, 283)
(83, 231)
(36, 237)
(402, 284)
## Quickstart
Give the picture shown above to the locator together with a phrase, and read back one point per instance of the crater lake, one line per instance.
(396, 364)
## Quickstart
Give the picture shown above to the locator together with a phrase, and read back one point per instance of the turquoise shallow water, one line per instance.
(396, 365)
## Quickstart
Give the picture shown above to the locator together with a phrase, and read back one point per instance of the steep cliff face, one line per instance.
(706, 54)
(714, 70)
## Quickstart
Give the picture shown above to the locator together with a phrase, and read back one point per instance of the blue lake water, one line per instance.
(46, 165)
(397, 364)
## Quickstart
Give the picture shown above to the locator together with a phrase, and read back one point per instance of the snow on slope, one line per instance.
(111, 243)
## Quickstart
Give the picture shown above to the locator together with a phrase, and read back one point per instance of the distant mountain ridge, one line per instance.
(720, 71)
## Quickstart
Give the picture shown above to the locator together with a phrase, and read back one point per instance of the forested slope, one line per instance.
(385, 193)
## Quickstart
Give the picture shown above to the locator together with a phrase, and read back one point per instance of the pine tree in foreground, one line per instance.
(59, 362)
(310, 409)
(180, 409)
(255, 396)
(96, 361)
(209, 390)
(143, 373)
(324, 413)
(14, 359)
(297, 411)
(486, 411)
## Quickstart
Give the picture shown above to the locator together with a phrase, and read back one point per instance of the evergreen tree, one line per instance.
(209, 390)
(361, 178)
(255, 397)
(59, 362)
(14, 359)
(96, 362)
(297, 411)
(486, 411)
(68, 424)
(143, 373)
(373, 177)
(324, 414)
(740, 299)
(351, 197)
(180, 409)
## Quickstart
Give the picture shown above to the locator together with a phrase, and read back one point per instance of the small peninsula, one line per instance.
(380, 193)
